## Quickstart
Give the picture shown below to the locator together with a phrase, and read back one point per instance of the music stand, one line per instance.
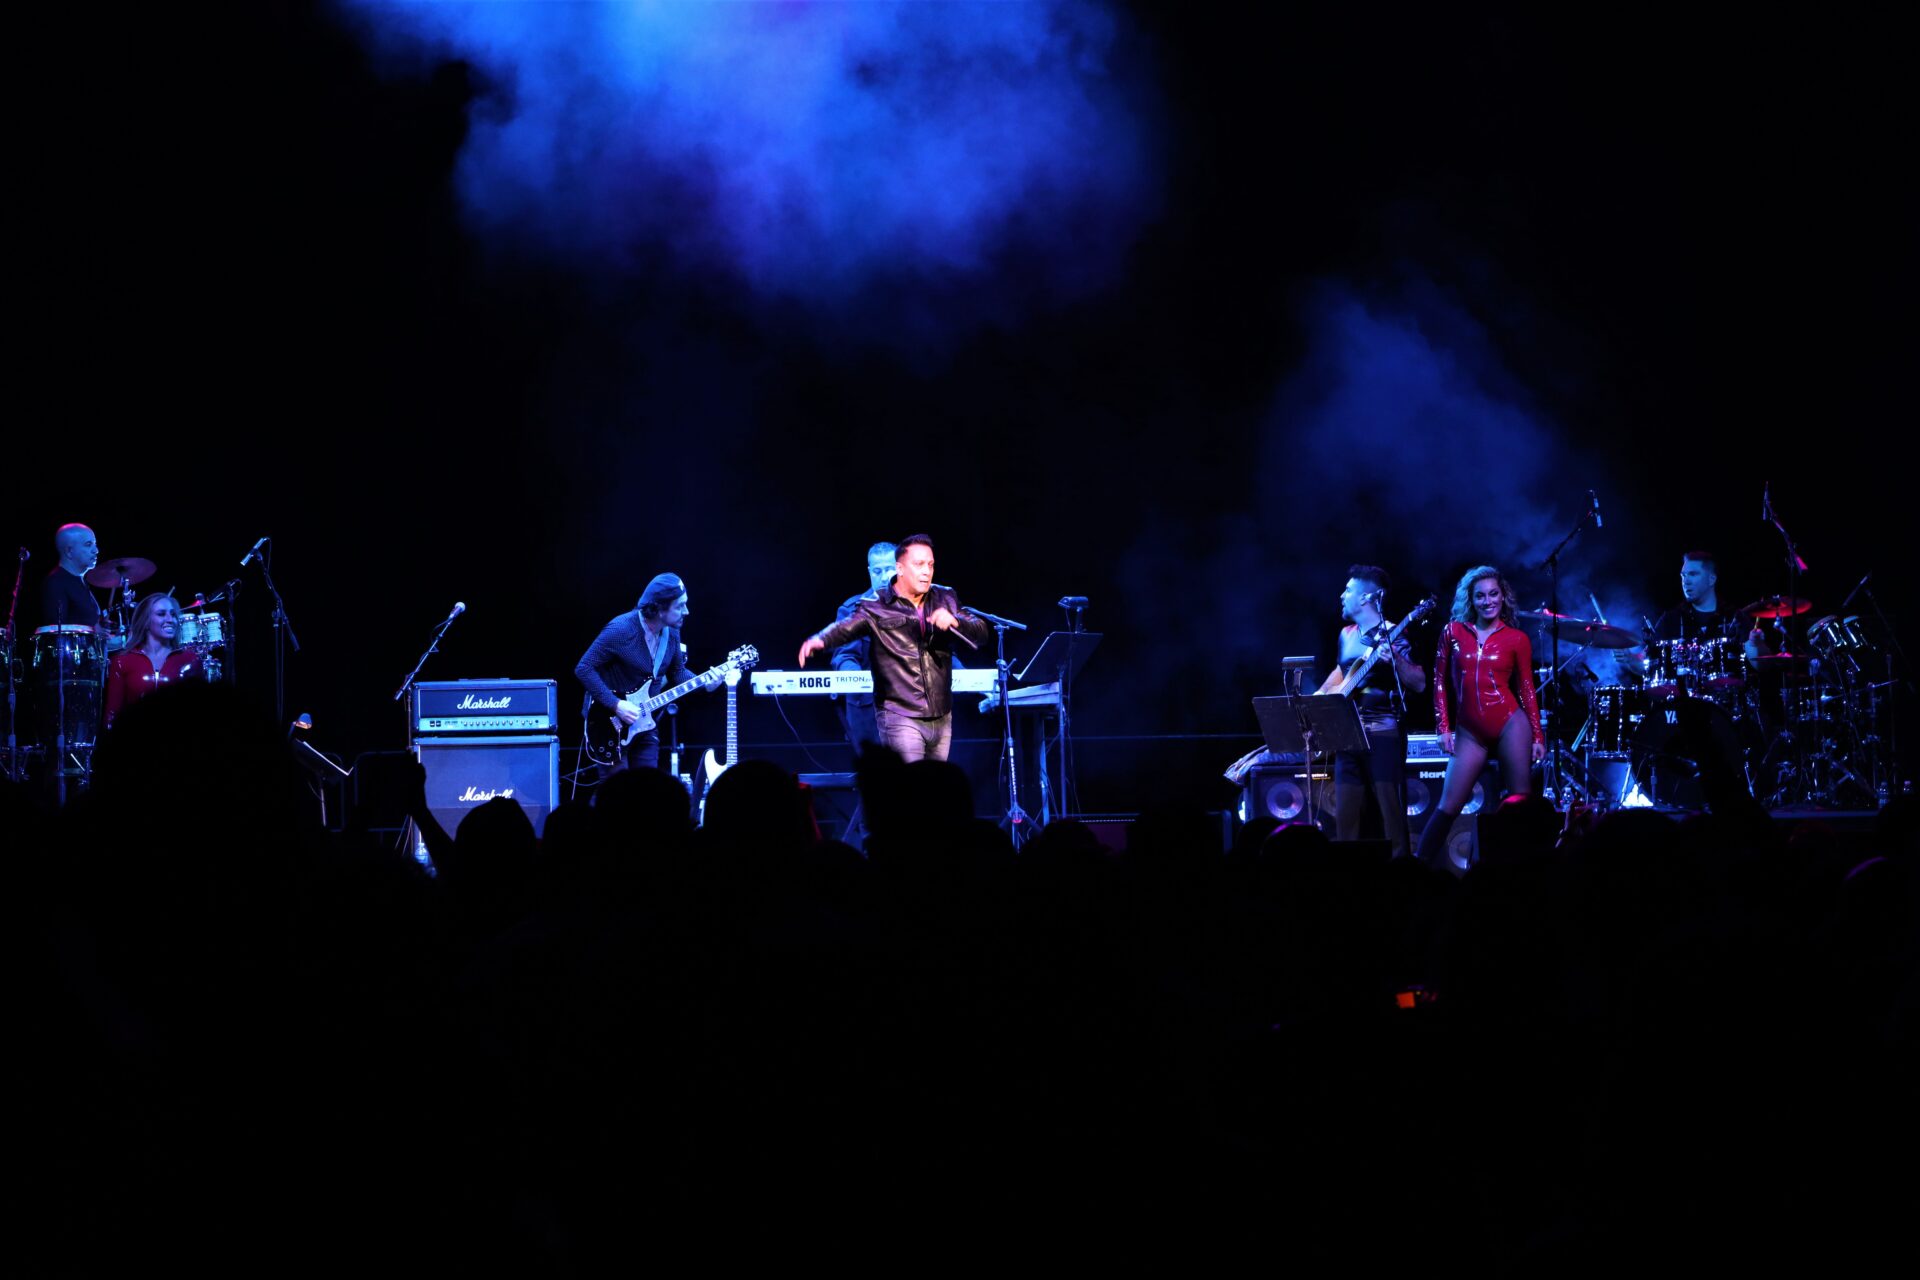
(1059, 659)
(1316, 722)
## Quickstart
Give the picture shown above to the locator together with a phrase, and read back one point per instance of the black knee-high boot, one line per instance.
(1433, 839)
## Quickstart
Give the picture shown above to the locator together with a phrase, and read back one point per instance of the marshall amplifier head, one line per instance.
(465, 773)
(442, 708)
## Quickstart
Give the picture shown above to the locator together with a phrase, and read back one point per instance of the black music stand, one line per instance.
(1059, 659)
(1317, 722)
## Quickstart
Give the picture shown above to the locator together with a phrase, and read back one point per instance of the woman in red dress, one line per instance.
(1484, 700)
(153, 656)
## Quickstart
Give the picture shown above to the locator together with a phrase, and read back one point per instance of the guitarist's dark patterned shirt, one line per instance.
(618, 661)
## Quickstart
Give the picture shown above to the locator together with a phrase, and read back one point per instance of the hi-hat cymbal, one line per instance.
(1777, 606)
(128, 569)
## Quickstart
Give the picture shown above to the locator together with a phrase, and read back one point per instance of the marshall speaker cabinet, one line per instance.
(465, 773)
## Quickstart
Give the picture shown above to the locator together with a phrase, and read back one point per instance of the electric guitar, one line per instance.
(737, 661)
(711, 768)
(1356, 675)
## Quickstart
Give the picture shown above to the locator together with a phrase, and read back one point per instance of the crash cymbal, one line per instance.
(1777, 607)
(1545, 614)
(1599, 635)
(1781, 662)
(110, 573)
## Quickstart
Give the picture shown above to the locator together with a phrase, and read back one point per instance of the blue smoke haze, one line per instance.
(1399, 439)
(809, 151)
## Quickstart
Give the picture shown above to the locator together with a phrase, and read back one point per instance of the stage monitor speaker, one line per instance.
(465, 773)
(1280, 791)
(1424, 778)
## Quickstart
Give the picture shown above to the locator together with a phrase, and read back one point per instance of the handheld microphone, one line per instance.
(254, 554)
(1598, 523)
(25, 554)
(459, 607)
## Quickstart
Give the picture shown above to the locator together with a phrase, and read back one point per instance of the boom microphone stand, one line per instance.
(282, 636)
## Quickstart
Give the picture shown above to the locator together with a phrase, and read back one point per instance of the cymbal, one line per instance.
(1780, 661)
(110, 573)
(1777, 606)
(1599, 635)
(1545, 614)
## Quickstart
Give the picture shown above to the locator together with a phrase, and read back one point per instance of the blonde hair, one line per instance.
(1463, 594)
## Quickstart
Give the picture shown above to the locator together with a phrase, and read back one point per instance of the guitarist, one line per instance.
(640, 647)
(1381, 700)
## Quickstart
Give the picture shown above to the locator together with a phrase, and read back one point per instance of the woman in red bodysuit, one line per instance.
(1483, 698)
(152, 656)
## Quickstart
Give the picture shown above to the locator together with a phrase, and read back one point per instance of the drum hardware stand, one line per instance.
(1019, 826)
(1550, 782)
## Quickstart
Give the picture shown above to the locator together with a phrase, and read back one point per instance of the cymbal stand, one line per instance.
(1550, 773)
(1795, 567)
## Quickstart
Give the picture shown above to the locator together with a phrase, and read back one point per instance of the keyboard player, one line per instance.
(856, 709)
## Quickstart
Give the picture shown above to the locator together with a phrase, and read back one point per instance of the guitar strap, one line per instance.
(659, 656)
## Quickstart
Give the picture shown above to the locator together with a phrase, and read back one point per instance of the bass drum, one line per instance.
(1667, 765)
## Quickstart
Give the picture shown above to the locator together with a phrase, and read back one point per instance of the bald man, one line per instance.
(64, 597)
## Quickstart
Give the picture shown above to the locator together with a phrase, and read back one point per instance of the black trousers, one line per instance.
(1379, 771)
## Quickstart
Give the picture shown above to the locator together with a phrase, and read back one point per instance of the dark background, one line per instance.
(1673, 261)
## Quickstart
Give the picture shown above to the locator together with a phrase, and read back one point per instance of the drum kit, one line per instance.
(61, 673)
(1806, 728)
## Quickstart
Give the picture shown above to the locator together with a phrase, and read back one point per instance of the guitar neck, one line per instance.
(733, 723)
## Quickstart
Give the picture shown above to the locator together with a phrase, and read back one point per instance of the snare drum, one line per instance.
(1618, 713)
(202, 631)
(69, 674)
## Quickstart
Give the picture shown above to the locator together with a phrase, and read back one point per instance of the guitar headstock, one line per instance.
(1424, 608)
(743, 657)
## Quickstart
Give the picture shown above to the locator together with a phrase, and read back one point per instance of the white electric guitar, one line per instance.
(711, 768)
(737, 661)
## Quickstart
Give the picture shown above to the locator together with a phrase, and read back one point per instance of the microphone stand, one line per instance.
(6, 653)
(1550, 773)
(1019, 826)
(282, 636)
(1795, 567)
(433, 647)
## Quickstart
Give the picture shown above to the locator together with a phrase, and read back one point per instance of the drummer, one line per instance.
(64, 597)
(153, 655)
(1698, 616)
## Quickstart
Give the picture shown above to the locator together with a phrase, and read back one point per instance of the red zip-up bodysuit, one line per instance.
(131, 677)
(1485, 683)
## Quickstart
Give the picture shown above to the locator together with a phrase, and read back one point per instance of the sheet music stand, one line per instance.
(1059, 658)
(1322, 723)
